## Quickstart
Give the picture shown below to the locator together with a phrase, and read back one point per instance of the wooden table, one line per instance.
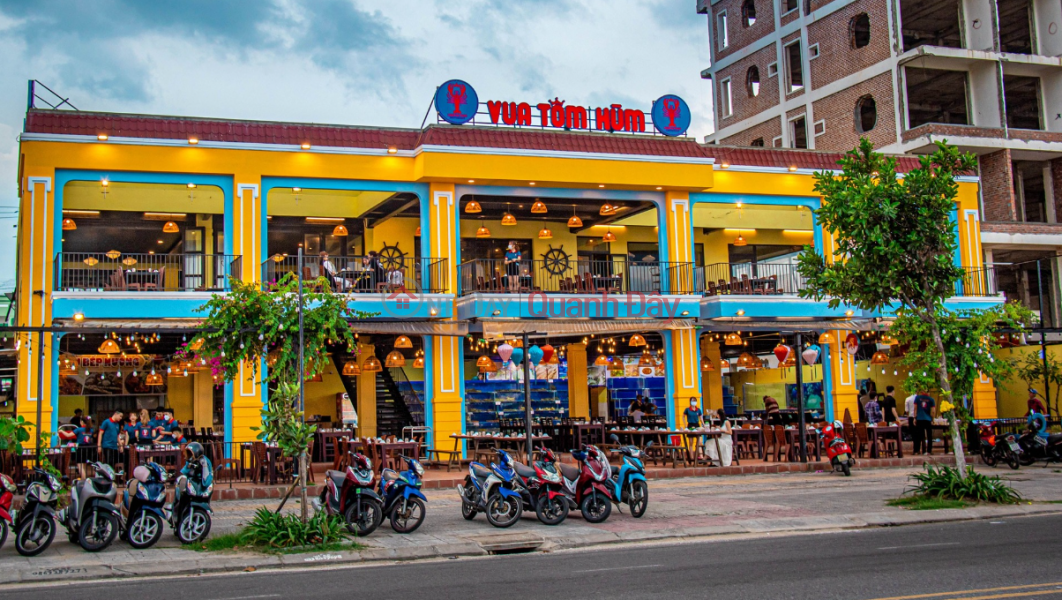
(477, 440)
(792, 437)
(594, 433)
(166, 457)
(755, 434)
(323, 450)
(660, 436)
(382, 451)
(715, 434)
(875, 435)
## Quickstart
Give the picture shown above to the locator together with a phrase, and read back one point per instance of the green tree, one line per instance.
(251, 324)
(895, 244)
(1035, 373)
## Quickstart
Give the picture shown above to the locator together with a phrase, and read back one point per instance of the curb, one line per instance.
(194, 563)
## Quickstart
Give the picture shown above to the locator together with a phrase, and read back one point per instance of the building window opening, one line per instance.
(932, 22)
(1022, 97)
(757, 143)
(798, 132)
(859, 30)
(725, 99)
(794, 67)
(720, 30)
(748, 13)
(1029, 190)
(866, 114)
(791, 5)
(936, 96)
(752, 81)
(1015, 26)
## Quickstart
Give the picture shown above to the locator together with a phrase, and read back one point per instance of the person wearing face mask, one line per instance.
(694, 417)
(512, 266)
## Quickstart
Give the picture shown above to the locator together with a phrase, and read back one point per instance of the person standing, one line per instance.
(1035, 404)
(107, 439)
(512, 266)
(888, 407)
(77, 420)
(771, 413)
(864, 397)
(694, 416)
(923, 429)
(873, 409)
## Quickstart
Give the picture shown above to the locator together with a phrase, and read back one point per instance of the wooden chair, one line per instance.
(116, 282)
(862, 439)
(769, 446)
(724, 287)
(774, 285)
(746, 284)
(231, 467)
(781, 443)
(259, 462)
(849, 434)
(159, 282)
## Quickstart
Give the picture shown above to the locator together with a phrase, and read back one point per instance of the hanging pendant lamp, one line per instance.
(607, 210)
(113, 254)
(575, 221)
(482, 232)
(636, 340)
(473, 207)
(706, 365)
(91, 261)
(879, 358)
(601, 360)
(403, 342)
(539, 208)
(826, 338)
(395, 359)
(732, 339)
(340, 230)
(508, 219)
(69, 224)
(418, 362)
(170, 227)
(372, 365)
(545, 234)
(483, 361)
(351, 368)
(109, 347)
(609, 237)
(153, 379)
(740, 241)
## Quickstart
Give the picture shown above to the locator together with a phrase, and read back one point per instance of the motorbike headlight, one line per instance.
(552, 476)
(418, 469)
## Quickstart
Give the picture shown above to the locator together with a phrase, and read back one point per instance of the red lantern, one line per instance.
(547, 353)
(782, 352)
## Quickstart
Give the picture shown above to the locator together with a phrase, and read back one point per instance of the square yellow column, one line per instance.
(842, 378)
(447, 404)
(247, 403)
(712, 381)
(685, 374)
(578, 390)
(984, 401)
(366, 401)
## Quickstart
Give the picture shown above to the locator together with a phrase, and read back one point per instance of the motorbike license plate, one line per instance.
(1014, 447)
(842, 458)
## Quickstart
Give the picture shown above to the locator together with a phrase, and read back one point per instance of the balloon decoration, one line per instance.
(517, 355)
(505, 351)
(534, 355)
(782, 352)
(547, 354)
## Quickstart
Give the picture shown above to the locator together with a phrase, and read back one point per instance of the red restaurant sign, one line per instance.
(555, 114)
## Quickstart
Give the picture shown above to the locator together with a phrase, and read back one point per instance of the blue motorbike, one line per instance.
(144, 503)
(628, 480)
(492, 491)
(403, 501)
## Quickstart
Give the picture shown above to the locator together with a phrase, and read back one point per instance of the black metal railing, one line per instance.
(749, 279)
(579, 276)
(360, 274)
(119, 272)
(976, 281)
(413, 401)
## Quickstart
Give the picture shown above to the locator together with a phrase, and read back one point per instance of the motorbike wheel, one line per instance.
(97, 531)
(551, 512)
(847, 470)
(1012, 460)
(365, 522)
(411, 519)
(145, 529)
(988, 456)
(3, 532)
(1025, 459)
(193, 526)
(504, 511)
(34, 535)
(595, 508)
(468, 506)
(638, 498)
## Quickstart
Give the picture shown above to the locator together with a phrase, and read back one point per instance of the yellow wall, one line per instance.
(180, 393)
(321, 395)
(1012, 394)
(396, 231)
(141, 197)
(769, 382)
(578, 398)
(366, 406)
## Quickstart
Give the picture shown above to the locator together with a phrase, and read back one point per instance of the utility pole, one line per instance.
(527, 402)
(40, 393)
(302, 398)
(800, 398)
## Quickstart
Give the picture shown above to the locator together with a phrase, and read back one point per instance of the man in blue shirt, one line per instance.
(923, 429)
(107, 442)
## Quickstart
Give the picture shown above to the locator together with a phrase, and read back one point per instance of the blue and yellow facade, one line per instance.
(241, 180)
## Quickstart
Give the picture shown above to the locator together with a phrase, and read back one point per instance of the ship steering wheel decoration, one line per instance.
(555, 260)
(392, 258)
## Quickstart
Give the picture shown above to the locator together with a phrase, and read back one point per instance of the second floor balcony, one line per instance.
(364, 274)
(115, 271)
(613, 275)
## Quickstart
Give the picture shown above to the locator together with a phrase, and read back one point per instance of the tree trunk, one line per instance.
(302, 485)
(945, 394)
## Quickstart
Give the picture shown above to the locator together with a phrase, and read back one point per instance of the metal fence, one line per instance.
(364, 275)
(976, 281)
(579, 276)
(749, 278)
(119, 272)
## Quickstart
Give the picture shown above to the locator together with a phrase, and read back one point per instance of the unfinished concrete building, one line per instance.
(986, 75)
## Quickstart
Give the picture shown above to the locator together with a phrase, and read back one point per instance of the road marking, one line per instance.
(920, 546)
(250, 597)
(618, 568)
(1014, 595)
(997, 589)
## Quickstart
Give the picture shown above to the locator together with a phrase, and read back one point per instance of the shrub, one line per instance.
(948, 483)
(288, 531)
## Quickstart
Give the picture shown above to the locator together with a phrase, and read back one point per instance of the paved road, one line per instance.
(972, 560)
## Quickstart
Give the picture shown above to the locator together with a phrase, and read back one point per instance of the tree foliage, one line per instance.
(14, 432)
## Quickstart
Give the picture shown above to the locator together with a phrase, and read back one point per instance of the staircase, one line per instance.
(392, 414)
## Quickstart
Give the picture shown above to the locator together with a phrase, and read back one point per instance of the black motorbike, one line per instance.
(144, 504)
(1036, 449)
(35, 523)
(190, 515)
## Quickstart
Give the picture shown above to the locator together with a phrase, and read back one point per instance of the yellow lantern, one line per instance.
(508, 219)
(545, 234)
(732, 339)
(601, 360)
(706, 365)
(351, 368)
(482, 232)
(484, 361)
(879, 358)
(395, 359)
(109, 347)
(113, 254)
(91, 261)
(473, 207)
(609, 237)
(372, 365)
(418, 362)
(69, 224)
(153, 379)
(339, 230)
(539, 208)
(826, 338)
(170, 227)
(403, 342)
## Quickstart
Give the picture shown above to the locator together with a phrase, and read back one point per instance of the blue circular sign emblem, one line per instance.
(456, 102)
(671, 115)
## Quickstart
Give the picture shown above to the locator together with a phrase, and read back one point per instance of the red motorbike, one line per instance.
(588, 484)
(541, 489)
(837, 450)
(7, 495)
(349, 493)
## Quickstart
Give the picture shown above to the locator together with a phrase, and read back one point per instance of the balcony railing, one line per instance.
(749, 279)
(976, 281)
(579, 276)
(116, 272)
(359, 275)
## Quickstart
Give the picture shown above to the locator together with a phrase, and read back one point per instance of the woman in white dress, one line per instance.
(726, 442)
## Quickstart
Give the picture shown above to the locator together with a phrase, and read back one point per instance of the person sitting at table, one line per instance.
(512, 266)
(328, 271)
(771, 413)
(873, 409)
(726, 442)
(170, 430)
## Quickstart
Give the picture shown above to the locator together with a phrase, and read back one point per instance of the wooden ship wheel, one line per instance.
(555, 260)
(392, 258)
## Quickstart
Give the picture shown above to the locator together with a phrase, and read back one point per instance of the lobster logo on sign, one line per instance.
(671, 115)
(456, 102)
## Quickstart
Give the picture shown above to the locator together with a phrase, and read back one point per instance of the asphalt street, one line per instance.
(1016, 558)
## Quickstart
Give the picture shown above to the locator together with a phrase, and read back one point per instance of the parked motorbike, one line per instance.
(492, 491)
(588, 483)
(190, 514)
(34, 524)
(541, 489)
(628, 480)
(1037, 446)
(837, 450)
(995, 448)
(7, 496)
(92, 520)
(403, 502)
(143, 503)
(349, 493)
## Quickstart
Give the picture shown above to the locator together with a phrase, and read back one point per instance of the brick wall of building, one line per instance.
(1056, 186)
(837, 56)
(783, 74)
(768, 130)
(997, 186)
(745, 106)
(739, 36)
(789, 17)
(839, 112)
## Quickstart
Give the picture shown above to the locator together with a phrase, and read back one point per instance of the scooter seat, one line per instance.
(337, 477)
(1054, 438)
(389, 475)
(569, 472)
(523, 470)
(480, 472)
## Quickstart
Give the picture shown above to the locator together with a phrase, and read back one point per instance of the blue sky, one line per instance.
(368, 62)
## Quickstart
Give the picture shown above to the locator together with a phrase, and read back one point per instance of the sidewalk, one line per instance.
(678, 509)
